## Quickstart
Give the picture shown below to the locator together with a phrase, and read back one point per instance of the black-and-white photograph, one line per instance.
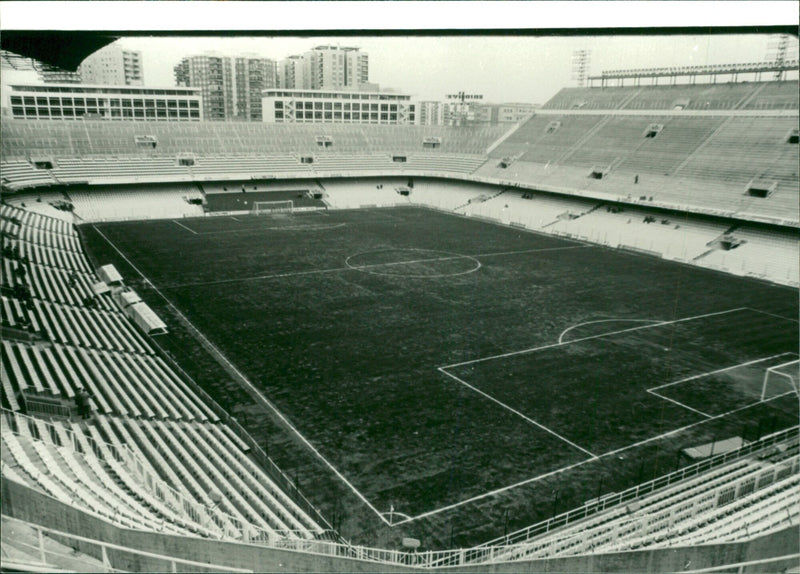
(400, 287)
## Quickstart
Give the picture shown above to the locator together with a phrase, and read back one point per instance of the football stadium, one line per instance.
(563, 343)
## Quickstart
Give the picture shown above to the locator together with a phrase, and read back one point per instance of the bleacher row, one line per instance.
(729, 149)
(136, 202)
(154, 453)
(764, 253)
(19, 174)
(736, 501)
(722, 96)
(703, 163)
(88, 138)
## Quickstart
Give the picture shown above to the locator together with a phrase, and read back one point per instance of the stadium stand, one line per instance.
(100, 351)
(150, 452)
(727, 96)
(137, 202)
(87, 139)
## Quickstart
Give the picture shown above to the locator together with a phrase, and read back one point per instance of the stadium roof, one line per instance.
(63, 49)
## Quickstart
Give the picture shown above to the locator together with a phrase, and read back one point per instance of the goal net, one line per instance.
(261, 207)
(781, 379)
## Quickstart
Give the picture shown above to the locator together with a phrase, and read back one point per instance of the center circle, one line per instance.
(412, 262)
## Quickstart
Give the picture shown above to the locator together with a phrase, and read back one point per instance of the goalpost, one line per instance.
(781, 374)
(260, 207)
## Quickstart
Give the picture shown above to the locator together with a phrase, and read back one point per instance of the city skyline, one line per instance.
(501, 68)
(530, 64)
(433, 66)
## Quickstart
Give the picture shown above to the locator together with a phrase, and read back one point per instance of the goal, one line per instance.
(781, 379)
(260, 207)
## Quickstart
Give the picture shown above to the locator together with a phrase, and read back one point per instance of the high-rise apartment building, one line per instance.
(326, 68)
(252, 75)
(230, 86)
(294, 74)
(113, 66)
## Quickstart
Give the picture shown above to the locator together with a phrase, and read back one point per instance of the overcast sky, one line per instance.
(501, 67)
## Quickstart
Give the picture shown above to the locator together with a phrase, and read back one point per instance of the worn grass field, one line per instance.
(419, 353)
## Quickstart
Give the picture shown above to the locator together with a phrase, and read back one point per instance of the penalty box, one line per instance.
(601, 392)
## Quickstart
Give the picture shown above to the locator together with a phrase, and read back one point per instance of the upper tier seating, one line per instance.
(721, 96)
(86, 138)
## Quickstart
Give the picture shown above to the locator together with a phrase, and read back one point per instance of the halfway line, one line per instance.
(353, 268)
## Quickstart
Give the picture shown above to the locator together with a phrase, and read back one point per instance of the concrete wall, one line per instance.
(30, 505)
(27, 504)
(780, 543)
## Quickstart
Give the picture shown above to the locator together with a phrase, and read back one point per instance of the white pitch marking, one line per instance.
(182, 225)
(719, 371)
(532, 349)
(568, 329)
(454, 256)
(335, 269)
(250, 385)
(773, 315)
(581, 463)
(516, 412)
(681, 429)
(235, 218)
(258, 277)
(240, 230)
(678, 403)
(540, 250)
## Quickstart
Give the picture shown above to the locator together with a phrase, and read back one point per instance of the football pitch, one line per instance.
(432, 361)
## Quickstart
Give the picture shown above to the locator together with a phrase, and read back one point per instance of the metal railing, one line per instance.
(508, 548)
(106, 551)
(207, 520)
(616, 499)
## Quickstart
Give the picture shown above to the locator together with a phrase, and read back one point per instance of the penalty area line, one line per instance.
(774, 315)
(583, 462)
(540, 348)
(568, 329)
(186, 228)
(678, 403)
(519, 414)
